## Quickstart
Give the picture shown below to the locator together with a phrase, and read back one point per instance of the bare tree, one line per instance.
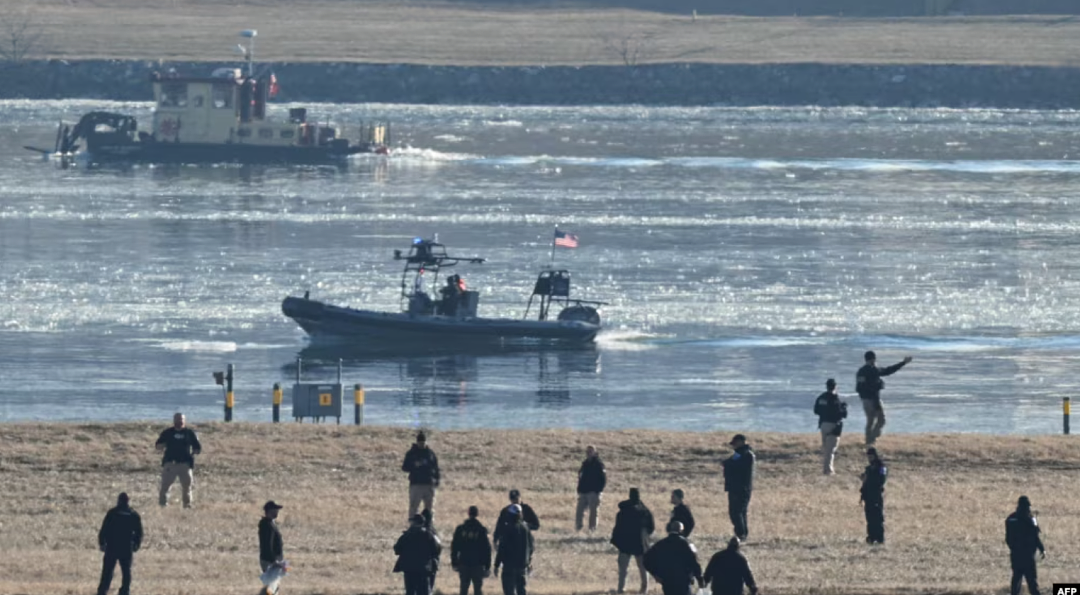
(19, 34)
(631, 48)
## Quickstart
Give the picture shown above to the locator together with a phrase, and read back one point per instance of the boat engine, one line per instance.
(580, 313)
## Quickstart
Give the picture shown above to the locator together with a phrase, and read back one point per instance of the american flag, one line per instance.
(565, 239)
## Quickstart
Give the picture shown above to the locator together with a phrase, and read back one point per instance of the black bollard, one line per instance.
(277, 402)
(229, 399)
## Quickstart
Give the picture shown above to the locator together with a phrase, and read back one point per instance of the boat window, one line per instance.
(266, 133)
(222, 96)
(243, 132)
(288, 133)
(174, 95)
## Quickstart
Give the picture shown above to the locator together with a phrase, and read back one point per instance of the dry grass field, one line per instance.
(442, 33)
(345, 500)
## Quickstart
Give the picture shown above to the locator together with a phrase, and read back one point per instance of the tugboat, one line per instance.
(451, 319)
(219, 118)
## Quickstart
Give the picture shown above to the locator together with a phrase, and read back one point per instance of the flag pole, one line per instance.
(553, 234)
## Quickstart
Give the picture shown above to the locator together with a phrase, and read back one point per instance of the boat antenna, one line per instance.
(553, 236)
(249, 51)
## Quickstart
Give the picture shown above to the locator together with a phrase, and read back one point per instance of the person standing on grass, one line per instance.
(180, 445)
(1022, 537)
(739, 484)
(633, 526)
(423, 468)
(673, 561)
(119, 538)
(429, 526)
(872, 495)
(515, 555)
(681, 513)
(271, 546)
(728, 572)
(418, 551)
(831, 412)
(592, 479)
(470, 553)
(506, 520)
(868, 384)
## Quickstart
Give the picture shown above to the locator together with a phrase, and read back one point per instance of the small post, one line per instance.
(358, 399)
(299, 361)
(1066, 402)
(229, 398)
(277, 402)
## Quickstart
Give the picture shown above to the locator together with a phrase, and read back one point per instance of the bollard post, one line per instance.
(1066, 402)
(229, 400)
(358, 399)
(277, 402)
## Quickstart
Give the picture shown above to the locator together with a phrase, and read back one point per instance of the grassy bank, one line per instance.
(385, 31)
(345, 504)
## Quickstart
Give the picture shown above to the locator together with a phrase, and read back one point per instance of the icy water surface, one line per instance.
(748, 254)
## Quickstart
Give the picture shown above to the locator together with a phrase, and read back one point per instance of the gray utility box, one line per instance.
(317, 401)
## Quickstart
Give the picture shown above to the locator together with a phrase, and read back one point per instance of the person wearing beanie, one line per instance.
(418, 551)
(728, 572)
(506, 520)
(592, 479)
(423, 468)
(872, 495)
(673, 561)
(1022, 537)
(739, 484)
(831, 412)
(868, 384)
(681, 512)
(514, 554)
(120, 537)
(470, 553)
(633, 525)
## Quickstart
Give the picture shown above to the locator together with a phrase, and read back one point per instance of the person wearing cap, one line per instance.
(673, 561)
(831, 412)
(423, 468)
(592, 479)
(119, 538)
(728, 572)
(739, 484)
(506, 520)
(271, 547)
(470, 553)
(1022, 537)
(682, 513)
(872, 495)
(633, 526)
(868, 384)
(179, 444)
(514, 554)
(418, 553)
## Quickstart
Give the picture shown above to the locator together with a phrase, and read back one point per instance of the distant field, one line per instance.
(493, 34)
(345, 498)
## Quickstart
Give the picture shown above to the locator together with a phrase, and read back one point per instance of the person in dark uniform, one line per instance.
(831, 412)
(429, 526)
(633, 526)
(868, 384)
(418, 550)
(682, 513)
(515, 555)
(180, 445)
(1022, 536)
(119, 538)
(873, 497)
(423, 468)
(592, 479)
(271, 546)
(673, 561)
(507, 520)
(728, 571)
(470, 553)
(739, 484)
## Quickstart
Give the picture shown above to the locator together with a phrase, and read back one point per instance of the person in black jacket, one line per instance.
(673, 561)
(429, 526)
(728, 571)
(418, 552)
(506, 520)
(872, 495)
(470, 553)
(271, 546)
(1022, 537)
(592, 479)
(831, 412)
(515, 555)
(423, 468)
(739, 484)
(681, 513)
(179, 444)
(119, 538)
(868, 384)
(633, 526)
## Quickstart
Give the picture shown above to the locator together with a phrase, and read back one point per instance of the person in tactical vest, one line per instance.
(873, 497)
(470, 553)
(831, 412)
(868, 384)
(1022, 536)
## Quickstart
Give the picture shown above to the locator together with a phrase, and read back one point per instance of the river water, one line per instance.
(747, 255)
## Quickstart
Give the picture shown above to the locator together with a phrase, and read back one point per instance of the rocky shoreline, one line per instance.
(920, 85)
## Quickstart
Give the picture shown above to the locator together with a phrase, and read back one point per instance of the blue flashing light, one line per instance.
(417, 240)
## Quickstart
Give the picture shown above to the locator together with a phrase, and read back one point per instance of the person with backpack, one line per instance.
(470, 553)
(633, 526)
(831, 412)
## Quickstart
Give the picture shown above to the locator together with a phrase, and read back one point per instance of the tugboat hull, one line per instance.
(201, 153)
